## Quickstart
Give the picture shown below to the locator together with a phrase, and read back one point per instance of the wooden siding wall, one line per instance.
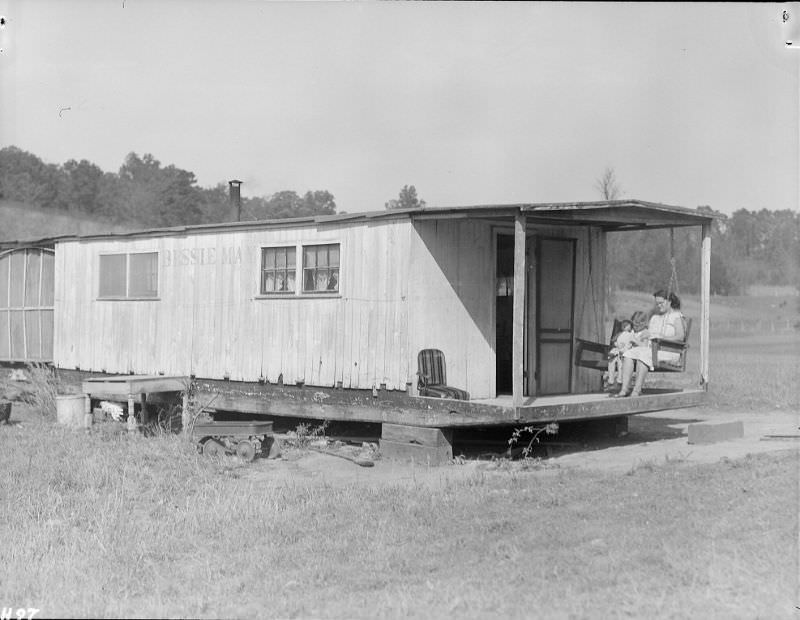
(452, 289)
(207, 320)
(404, 287)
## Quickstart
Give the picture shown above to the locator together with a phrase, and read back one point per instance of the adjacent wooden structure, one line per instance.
(503, 290)
(26, 304)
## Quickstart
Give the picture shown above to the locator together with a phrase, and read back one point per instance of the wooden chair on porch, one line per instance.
(432, 373)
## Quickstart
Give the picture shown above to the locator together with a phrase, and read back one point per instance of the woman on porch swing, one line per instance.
(666, 322)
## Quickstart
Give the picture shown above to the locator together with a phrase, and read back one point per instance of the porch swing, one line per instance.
(594, 355)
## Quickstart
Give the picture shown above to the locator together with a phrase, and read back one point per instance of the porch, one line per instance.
(548, 292)
(400, 408)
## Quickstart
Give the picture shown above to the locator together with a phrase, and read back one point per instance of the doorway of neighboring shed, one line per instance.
(26, 305)
(555, 301)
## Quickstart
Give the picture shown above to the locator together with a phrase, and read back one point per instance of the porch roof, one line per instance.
(608, 214)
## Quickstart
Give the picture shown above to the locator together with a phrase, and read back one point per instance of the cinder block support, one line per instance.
(423, 445)
(712, 432)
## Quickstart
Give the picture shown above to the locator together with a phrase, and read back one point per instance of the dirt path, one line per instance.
(656, 438)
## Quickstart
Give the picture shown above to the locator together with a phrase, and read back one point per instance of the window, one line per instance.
(128, 276)
(321, 268)
(278, 270)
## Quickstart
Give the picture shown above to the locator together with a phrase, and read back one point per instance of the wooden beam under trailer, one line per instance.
(399, 408)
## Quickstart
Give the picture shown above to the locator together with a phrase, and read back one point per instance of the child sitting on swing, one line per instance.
(632, 333)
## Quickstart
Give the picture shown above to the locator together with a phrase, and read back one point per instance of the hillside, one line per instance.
(21, 222)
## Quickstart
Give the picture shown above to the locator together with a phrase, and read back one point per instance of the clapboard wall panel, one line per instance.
(452, 295)
(209, 318)
(404, 286)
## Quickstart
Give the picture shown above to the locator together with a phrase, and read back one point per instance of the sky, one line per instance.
(472, 103)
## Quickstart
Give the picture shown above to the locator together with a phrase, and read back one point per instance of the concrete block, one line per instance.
(712, 432)
(423, 455)
(423, 436)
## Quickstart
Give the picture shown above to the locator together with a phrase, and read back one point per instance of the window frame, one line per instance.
(315, 293)
(127, 295)
(299, 292)
(261, 291)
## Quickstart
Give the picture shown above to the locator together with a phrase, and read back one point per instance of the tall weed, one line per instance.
(45, 386)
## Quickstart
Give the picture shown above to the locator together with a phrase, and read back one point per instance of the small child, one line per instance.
(623, 342)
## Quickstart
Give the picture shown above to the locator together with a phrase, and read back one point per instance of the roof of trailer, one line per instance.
(609, 214)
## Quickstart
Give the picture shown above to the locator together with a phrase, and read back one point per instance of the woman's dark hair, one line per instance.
(672, 298)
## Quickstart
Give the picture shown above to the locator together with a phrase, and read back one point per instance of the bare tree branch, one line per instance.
(607, 185)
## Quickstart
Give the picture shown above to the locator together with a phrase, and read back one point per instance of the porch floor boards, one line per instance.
(446, 413)
(563, 407)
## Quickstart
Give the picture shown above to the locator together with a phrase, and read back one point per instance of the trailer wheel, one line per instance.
(245, 450)
(213, 448)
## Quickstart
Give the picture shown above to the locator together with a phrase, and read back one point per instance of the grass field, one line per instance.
(106, 525)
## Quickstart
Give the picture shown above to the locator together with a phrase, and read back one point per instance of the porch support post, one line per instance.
(705, 302)
(520, 270)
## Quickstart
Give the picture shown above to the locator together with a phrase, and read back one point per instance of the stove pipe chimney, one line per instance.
(236, 197)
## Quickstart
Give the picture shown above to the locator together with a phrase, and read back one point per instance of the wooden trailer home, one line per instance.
(326, 317)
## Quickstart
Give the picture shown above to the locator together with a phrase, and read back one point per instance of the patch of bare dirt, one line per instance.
(661, 437)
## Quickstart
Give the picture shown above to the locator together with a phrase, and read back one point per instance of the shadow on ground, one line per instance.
(590, 435)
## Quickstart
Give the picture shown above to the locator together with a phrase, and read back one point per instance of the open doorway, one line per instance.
(504, 313)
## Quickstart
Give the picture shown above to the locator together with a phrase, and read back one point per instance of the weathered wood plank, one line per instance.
(134, 384)
(605, 407)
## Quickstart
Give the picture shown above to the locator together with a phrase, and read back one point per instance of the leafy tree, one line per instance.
(214, 205)
(407, 199)
(26, 178)
(159, 196)
(80, 186)
(288, 203)
(109, 196)
(319, 202)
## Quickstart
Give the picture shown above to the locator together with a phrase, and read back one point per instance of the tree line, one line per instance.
(143, 192)
(749, 247)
